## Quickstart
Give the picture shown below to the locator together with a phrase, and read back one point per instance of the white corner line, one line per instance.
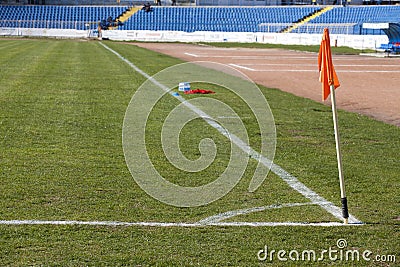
(292, 181)
(167, 224)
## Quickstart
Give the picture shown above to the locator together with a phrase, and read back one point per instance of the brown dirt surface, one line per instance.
(369, 85)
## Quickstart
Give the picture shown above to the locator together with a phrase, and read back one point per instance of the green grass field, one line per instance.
(61, 158)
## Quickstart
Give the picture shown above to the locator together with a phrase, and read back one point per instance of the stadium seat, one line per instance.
(230, 19)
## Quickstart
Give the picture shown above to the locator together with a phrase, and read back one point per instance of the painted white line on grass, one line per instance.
(96, 223)
(167, 224)
(287, 177)
(229, 214)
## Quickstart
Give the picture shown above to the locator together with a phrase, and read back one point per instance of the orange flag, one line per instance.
(327, 73)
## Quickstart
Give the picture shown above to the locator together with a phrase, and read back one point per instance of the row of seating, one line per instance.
(59, 13)
(356, 16)
(244, 19)
(44, 24)
(189, 19)
(361, 14)
(253, 19)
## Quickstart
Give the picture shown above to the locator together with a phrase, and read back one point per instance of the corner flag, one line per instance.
(330, 81)
(327, 73)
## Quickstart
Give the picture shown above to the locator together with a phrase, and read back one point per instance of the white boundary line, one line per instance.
(287, 177)
(167, 224)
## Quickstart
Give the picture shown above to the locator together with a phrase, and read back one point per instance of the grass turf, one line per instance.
(61, 113)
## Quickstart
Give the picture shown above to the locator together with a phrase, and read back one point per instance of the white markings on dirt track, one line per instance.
(192, 55)
(241, 67)
(337, 71)
(313, 65)
(247, 57)
(311, 57)
(369, 71)
(215, 220)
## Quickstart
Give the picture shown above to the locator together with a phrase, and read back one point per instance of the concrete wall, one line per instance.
(354, 41)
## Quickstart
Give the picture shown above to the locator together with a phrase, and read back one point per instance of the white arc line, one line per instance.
(229, 214)
(287, 177)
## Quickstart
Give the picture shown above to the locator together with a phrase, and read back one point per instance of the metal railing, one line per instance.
(307, 28)
(310, 28)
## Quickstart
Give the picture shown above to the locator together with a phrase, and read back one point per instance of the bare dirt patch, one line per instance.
(369, 85)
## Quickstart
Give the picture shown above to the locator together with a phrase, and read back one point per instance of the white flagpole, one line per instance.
(345, 211)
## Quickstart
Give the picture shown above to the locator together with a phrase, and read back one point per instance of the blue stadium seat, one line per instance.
(230, 19)
(357, 15)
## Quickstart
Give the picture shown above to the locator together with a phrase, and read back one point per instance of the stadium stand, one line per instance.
(225, 19)
(59, 17)
(256, 19)
(190, 19)
(355, 16)
(360, 14)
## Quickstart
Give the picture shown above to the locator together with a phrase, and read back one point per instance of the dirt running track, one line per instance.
(369, 85)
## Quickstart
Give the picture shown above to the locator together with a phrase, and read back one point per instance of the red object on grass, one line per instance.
(199, 91)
